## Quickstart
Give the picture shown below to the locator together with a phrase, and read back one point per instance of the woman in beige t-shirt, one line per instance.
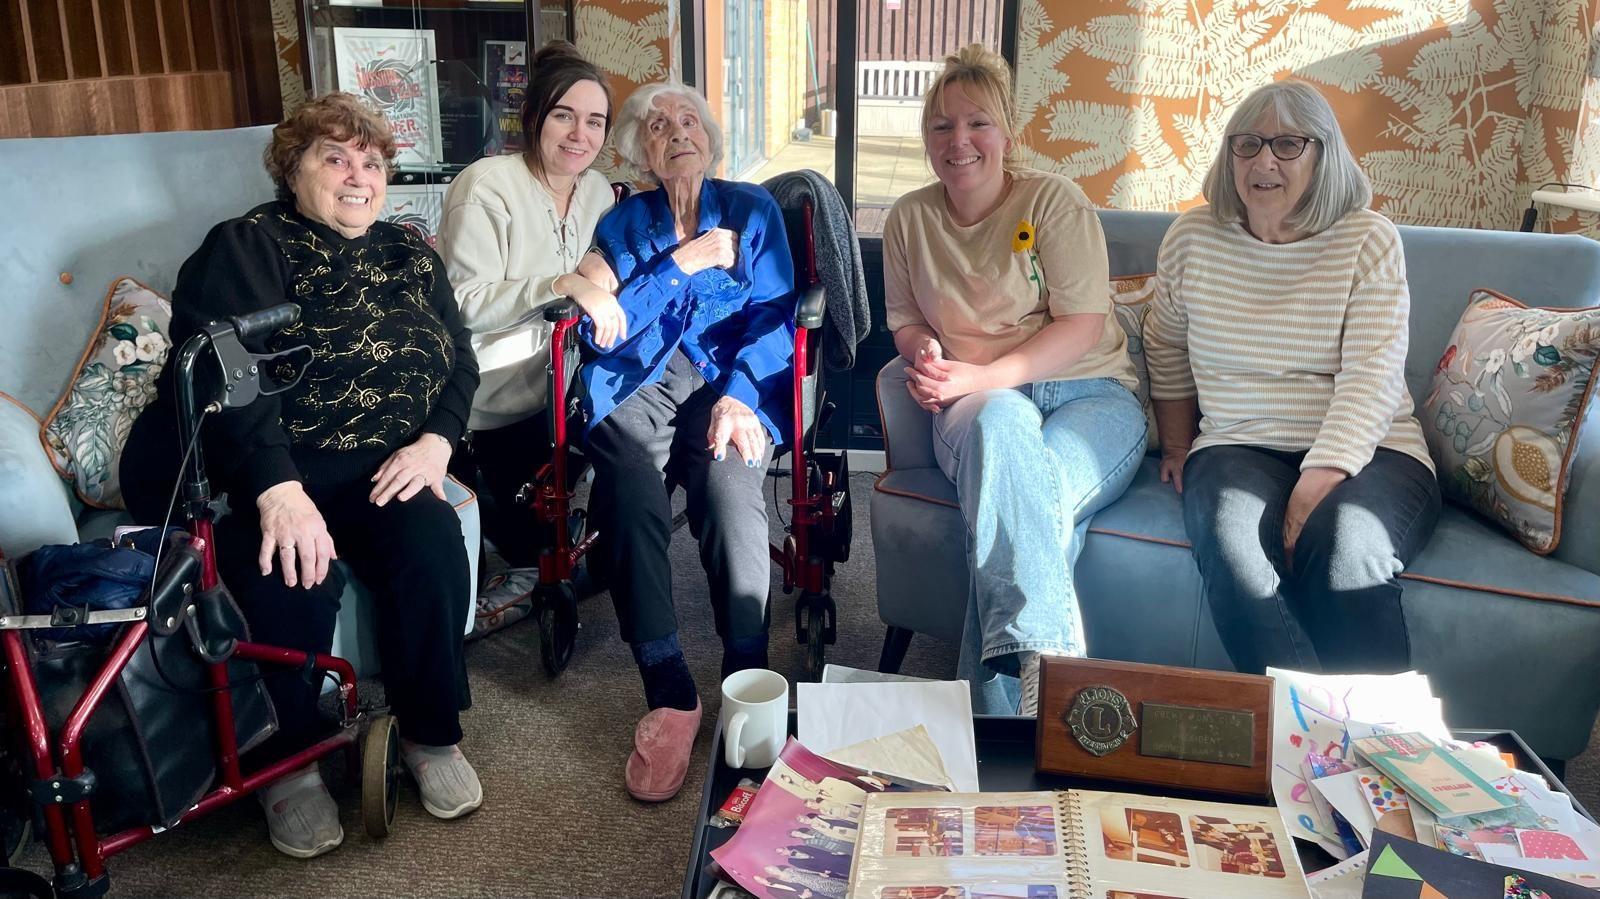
(997, 290)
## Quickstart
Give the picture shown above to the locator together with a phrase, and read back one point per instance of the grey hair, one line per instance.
(635, 115)
(1338, 186)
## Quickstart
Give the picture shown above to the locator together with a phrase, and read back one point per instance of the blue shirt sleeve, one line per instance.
(649, 281)
(762, 365)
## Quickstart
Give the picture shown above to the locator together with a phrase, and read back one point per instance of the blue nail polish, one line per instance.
(749, 463)
(717, 456)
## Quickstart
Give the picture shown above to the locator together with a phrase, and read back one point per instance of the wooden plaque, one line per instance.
(1156, 724)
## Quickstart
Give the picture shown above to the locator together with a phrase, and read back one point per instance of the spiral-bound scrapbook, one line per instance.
(1075, 844)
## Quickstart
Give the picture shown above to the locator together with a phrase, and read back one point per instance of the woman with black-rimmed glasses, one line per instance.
(1277, 346)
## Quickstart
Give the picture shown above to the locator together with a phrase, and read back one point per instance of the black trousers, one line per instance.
(654, 440)
(505, 459)
(409, 554)
(1337, 607)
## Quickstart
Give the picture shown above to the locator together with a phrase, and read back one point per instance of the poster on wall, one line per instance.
(392, 69)
(418, 207)
(505, 72)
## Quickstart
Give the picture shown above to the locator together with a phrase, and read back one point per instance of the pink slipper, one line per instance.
(661, 746)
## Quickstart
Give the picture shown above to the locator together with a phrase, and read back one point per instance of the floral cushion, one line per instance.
(116, 378)
(1508, 399)
(1130, 298)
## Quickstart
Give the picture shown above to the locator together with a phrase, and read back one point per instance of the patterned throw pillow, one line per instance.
(1130, 298)
(115, 380)
(1508, 399)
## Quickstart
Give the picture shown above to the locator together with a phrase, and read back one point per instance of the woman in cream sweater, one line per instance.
(1277, 349)
(513, 231)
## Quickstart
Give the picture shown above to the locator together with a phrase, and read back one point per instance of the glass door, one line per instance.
(744, 84)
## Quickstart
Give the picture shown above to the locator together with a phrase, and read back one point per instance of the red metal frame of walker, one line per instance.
(79, 844)
(553, 499)
(77, 852)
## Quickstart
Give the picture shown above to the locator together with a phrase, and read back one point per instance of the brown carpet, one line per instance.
(555, 821)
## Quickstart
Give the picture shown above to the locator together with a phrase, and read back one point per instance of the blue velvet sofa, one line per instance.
(1509, 639)
(81, 212)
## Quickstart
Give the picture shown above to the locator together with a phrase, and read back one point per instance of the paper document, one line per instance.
(844, 674)
(832, 716)
(909, 756)
(1309, 715)
(1342, 881)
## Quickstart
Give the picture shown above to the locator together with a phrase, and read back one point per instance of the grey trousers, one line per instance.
(655, 440)
(1337, 608)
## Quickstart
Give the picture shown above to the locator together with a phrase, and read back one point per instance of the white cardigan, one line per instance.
(502, 249)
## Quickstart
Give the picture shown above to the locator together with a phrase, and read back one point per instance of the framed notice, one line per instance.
(392, 69)
(505, 73)
(418, 207)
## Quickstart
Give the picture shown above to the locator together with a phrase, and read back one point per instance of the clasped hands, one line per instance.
(595, 289)
(935, 382)
(294, 534)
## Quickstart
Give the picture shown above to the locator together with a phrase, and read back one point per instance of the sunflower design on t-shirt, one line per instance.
(1022, 242)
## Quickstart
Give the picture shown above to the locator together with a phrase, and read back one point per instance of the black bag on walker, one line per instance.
(151, 744)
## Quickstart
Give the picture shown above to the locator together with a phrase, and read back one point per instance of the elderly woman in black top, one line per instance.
(347, 464)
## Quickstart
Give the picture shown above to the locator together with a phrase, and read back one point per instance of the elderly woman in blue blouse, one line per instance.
(686, 387)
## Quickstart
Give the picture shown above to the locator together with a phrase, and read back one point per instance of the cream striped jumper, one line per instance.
(1298, 346)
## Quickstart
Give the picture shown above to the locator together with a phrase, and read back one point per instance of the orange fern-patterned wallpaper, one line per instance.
(636, 42)
(1456, 109)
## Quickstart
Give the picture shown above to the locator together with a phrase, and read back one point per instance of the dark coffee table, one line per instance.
(1005, 762)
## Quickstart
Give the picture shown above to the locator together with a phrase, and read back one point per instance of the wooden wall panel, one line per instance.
(179, 38)
(115, 31)
(149, 51)
(13, 50)
(82, 39)
(109, 66)
(189, 101)
(42, 27)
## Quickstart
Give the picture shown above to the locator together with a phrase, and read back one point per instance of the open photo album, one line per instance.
(1076, 844)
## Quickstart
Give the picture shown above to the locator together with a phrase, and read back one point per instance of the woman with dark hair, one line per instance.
(513, 231)
(348, 464)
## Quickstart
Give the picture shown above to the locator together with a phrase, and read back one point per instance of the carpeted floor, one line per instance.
(556, 821)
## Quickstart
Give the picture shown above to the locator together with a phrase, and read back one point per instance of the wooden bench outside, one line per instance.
(890, 95)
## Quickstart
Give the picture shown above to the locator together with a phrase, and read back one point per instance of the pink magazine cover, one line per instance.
(800, 832)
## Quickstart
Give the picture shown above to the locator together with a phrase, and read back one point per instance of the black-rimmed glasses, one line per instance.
(1284, 146)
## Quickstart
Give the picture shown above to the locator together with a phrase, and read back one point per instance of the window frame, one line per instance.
(846, 15)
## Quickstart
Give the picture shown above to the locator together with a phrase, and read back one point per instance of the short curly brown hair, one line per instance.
(338, 116)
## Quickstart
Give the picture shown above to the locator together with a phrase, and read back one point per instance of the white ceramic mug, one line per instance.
(755, 712)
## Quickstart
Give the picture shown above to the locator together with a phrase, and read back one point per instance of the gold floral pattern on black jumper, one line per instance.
(380, 355)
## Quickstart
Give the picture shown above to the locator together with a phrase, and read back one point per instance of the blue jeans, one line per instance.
(1337, 608)
(1031, 465)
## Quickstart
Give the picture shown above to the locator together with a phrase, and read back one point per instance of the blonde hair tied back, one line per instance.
(986, 78)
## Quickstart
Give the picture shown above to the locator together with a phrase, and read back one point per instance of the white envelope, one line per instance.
(836, 715)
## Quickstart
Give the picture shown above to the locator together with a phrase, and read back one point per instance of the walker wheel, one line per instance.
(816, 642)
(380, 776)
(557, 608)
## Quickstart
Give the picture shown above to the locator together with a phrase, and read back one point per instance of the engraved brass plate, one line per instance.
(1101, 719)
(1222, 736)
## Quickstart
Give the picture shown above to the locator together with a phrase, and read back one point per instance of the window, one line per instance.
(832, 85)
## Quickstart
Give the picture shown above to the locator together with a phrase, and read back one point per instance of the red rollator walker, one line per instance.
(184, 596)
(820, 525)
